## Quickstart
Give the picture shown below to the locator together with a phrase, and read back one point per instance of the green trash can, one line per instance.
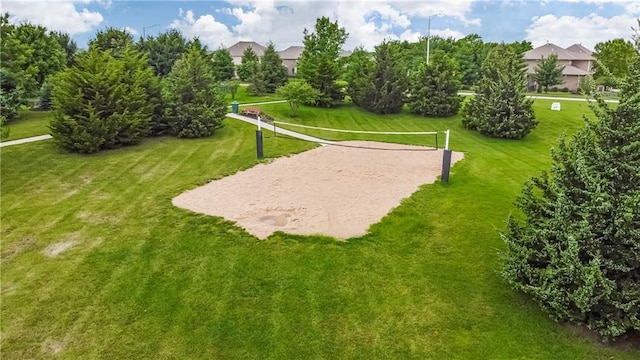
(234, 107)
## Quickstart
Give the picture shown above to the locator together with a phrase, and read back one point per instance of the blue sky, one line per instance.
(222, 23)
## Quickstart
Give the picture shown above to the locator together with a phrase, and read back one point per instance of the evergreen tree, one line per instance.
(223, 65)
(164, 50)
(500, 107)
(358, 74)
(245, 69)
(320, 64)
(256, 82)
(194, 104)
(385, 93)
(274, 72)
(578, 251)
(548, 72)
(434, 89)
(15, 71)
(111, 39)
(101, 103)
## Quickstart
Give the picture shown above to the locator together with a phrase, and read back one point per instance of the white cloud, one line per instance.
(367, 22)
(589, 30)
(131, 30)
(206, 27)
(61, 15)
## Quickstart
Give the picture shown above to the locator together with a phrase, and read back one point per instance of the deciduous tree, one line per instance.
(297, 93)
(319, 64)
(613, 58)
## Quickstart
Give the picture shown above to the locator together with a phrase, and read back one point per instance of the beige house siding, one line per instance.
(576, 59)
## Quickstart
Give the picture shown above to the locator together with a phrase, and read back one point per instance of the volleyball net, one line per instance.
(323, 135)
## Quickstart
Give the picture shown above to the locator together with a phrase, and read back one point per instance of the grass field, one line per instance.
(30, 123)
(145, 280)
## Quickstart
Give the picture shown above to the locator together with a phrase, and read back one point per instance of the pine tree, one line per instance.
(273, 71)
(101, 103)
(223, 65)
(256, 86)
(385, 93)
(434, 89)
(111, 39)
(194, 104)
(500, 108)
(548, 72)
(578, 251)
(245, 69)
(358, 74)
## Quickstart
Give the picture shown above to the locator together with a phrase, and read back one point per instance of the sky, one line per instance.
(368, 22)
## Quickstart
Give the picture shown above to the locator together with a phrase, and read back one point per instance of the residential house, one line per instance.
(290, 58)
(576, 59)
(237, 50)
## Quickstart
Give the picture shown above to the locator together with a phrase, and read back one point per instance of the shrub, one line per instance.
(434, 88)
(194, 104)
(100, 103)
(500, 108)
(578, 251)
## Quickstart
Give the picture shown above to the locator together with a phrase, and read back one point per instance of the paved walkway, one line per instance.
(25, 140)
(543, 97)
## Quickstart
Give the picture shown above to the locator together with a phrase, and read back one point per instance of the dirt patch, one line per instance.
(337, 191)
(56, 249)
(26, 243)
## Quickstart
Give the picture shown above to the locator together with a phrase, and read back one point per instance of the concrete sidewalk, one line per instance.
(25, 140)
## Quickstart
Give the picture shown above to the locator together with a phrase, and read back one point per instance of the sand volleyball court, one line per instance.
(331, 190)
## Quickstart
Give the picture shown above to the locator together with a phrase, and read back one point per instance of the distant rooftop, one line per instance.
(573, 52)
(238, 48)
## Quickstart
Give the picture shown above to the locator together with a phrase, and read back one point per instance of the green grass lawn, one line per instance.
(243, 97)
(146, 280)
(29, 123)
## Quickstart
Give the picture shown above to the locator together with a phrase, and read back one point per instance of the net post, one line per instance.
(437, 141)
(259, 145)
(446, 160)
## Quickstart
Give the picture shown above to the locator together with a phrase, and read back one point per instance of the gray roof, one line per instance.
(580, 52)
(573, 52)
(238, 48)
(291, 53)
(549, 49)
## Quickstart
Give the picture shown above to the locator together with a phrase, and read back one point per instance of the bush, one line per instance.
(578, 251)
(194, 104)
(100, 103)
(565, 89)
(500, 108)
(434, 88)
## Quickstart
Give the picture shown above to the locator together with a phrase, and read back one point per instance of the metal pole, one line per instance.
(446, 160)
(428, 37)
(259, 147)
